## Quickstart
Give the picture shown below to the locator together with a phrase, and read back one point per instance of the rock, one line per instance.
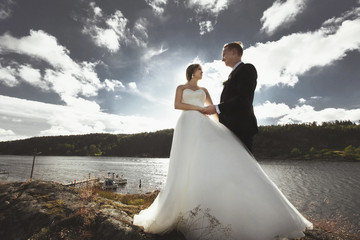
(44, 210)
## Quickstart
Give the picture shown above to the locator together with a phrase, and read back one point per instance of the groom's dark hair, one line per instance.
(190, 70)
(235, 45)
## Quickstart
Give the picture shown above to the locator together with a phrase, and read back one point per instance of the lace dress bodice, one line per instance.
(196, 98)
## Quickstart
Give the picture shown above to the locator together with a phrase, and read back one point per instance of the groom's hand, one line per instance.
(209, 110)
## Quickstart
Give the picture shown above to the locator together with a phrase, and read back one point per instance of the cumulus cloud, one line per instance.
(112, 85)
(271, 110)
(8, 76)
(302, 100)
(32, 76)
(66, 120)
(281, 14)
(348, 15)
(207, 12)
(7, 135)
(71, 80)
(133, 87)
(282, 62)
(157, 5)
(212, 6)
(205, 27)
(283, 114)
(111, 32)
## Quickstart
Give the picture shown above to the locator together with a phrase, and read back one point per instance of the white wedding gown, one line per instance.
(215, 189)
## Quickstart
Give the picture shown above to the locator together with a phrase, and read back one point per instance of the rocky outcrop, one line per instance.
(41, 210)
(46, 210)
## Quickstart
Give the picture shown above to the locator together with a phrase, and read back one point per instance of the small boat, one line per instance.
(113, 182)
(109, 184)
(120, 180)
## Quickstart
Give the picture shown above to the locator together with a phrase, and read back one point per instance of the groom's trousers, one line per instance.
(247, 140)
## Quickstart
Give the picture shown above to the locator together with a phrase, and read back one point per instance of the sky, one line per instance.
(112, 66)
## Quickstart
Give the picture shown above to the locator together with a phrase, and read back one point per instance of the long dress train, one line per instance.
(215, 189)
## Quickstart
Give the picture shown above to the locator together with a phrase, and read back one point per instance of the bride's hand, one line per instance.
(201, 109)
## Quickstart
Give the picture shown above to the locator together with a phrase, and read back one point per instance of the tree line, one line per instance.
(330, 140)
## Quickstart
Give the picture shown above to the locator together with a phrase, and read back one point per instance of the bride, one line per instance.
(215, 189)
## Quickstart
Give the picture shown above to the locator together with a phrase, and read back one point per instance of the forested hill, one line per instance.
(327, 141)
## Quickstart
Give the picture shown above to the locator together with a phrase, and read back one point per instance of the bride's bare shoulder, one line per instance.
(205, 90)
(180, 87)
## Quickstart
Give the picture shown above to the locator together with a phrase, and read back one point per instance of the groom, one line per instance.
(236, 103)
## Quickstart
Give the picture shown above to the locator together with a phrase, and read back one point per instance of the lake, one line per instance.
(321, 190)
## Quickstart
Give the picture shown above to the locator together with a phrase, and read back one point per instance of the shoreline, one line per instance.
(45, 210)
(257, 157)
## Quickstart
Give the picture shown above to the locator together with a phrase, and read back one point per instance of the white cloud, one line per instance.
(283, 61)
(104, 38)
(68, 78)
(133, 87)
(280, 14)
(139, 33)
(214, 6)
(152, 52)
(302, 100)
(8, 76)
(112, 85)
(271, 110)
(97, 10)
(205, 27)
(5, 9)
(207, 12)
(40, 45)
(111, 31)
(32, 76)
(157, 5)
(6, 135)
(65, 120)
(283, 114)
(316, 97)
(348, 15)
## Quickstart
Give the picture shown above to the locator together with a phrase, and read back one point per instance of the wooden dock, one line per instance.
(86, 181)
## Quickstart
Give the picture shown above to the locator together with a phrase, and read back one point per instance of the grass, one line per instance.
(55, 208)
(130, 199)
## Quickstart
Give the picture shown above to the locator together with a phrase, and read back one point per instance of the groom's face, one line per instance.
(227, 57)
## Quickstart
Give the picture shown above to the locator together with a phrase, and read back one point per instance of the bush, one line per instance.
(295, 152)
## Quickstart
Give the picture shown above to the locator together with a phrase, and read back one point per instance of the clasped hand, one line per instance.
(209, 110)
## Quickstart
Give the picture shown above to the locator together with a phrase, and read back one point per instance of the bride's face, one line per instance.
(198, 73)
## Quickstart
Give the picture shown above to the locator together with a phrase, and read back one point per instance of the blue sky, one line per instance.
(76, 66)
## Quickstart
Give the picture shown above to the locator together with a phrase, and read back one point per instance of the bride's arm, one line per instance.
(208, 102)
(183, 106)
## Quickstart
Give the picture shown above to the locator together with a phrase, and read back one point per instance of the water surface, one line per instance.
(318, 189)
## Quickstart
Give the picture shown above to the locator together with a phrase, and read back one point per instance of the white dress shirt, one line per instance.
(235, 66)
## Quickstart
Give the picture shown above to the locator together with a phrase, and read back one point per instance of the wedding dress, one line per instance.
(215, 189)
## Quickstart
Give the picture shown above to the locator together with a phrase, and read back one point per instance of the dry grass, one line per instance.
(338, 227)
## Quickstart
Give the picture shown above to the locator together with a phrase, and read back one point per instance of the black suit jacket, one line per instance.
(236, 102)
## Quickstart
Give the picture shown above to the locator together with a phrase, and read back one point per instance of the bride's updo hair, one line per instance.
(238, 46)
(190, 70)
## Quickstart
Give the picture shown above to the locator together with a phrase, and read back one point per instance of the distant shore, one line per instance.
(46, 210)
(337, 140)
